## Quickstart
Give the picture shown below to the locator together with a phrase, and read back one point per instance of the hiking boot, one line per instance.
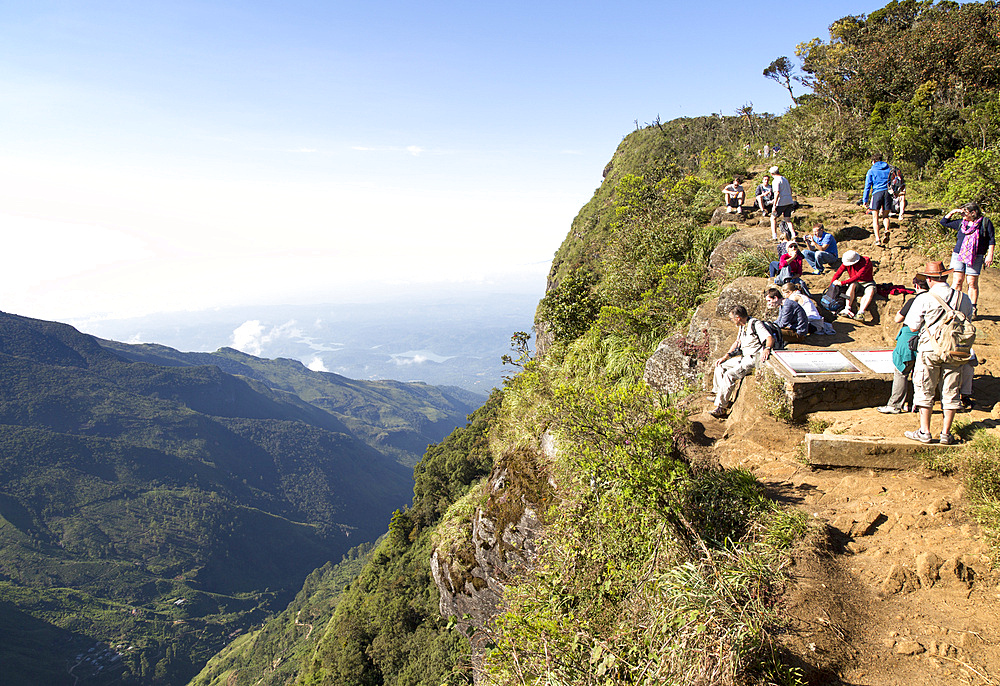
(975, 311)
(888, 409)
(718, 413)
(918, 435)
(968, 402)
(946, 439)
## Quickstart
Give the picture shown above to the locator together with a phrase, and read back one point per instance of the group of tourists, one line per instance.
(935, 372)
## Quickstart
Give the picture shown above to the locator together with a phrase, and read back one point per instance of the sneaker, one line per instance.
(729, 210)
(946, 439)
(846, 312)
(817, 271)
(718, 413)
(918, 435)
(860, 316)
(888, 409)
(975, 311)
(968, 402)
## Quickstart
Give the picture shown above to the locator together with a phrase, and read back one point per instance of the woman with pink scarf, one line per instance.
(973, 249)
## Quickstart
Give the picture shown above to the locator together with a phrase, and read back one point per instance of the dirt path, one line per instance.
(899, 588)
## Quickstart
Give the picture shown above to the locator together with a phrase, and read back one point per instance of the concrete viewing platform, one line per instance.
(833, 379)
(871, 452)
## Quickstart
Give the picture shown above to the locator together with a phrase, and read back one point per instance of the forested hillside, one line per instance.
(643, 561)
(400, 419)
(151, 512)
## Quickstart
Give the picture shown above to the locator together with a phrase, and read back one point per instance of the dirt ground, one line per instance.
(896, 587)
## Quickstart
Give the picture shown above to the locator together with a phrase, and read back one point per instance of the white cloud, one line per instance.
(316, 364)
(252, 338)
(248, 337)
(414, 150)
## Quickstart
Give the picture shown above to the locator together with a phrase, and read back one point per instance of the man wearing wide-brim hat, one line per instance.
(930, 372)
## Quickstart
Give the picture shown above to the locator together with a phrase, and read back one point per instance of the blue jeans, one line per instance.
(817, 258)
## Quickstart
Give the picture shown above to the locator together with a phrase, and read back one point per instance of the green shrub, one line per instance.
(571, 307)
(973, 175)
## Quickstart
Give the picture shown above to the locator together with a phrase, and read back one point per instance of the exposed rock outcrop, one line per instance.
(471, 573)
(678, 363)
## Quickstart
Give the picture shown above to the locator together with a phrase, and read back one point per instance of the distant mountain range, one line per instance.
(154, 503)
(456, 340)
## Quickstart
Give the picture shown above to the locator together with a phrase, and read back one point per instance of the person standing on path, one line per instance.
(930, 372)
(783, 203)
(876, 195)
(973, 248)
(903, 358)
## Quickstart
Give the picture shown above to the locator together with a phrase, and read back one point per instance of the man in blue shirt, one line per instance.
(823, 249)
(876, 195)
(792, 319)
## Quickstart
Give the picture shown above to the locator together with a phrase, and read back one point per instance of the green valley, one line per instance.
(151, 511)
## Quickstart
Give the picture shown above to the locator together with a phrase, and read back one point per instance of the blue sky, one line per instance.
(166, 156)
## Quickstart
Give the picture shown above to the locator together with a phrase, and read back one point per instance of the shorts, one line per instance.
(783, 211)
(864, 285)
(880, 200)
(968, 269)
(928, 377)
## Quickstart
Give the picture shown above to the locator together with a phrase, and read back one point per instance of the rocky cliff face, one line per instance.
(472, 568)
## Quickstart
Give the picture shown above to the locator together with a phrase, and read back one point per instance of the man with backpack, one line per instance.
(876, 195)
(754, 342)
(792, 319)
(942, 319)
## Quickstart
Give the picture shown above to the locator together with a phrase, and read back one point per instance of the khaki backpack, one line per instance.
(952, 334)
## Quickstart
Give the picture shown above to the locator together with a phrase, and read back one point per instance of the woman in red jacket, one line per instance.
(860, 274)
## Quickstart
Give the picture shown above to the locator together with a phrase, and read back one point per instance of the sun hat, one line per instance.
(773, 170)
(935, 270)
(851, 257)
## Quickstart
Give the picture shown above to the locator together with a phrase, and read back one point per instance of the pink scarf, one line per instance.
(967, 254)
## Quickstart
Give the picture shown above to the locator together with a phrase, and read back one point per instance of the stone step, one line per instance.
(870, 452)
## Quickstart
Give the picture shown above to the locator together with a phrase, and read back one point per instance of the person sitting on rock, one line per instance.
(792, 319)
(931, 373)
(860, 274)
(903, 357)
(753, 345)
(822, 249)
(735, 196)
(788, 266)
(793, 291)
(764, 198)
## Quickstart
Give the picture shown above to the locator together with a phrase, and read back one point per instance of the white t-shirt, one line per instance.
(782, 190)
(807, 303)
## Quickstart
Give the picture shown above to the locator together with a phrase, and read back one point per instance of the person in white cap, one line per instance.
(782, 200)
(860, 274)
